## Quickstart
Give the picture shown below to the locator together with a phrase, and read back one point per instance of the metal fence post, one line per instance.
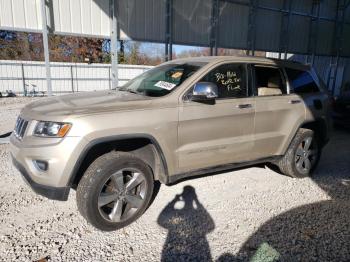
(23, 80)
(71, 77)
(109, 78)
(76, 77)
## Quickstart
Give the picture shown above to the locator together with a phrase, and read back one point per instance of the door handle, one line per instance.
(243, 106)
(294, 102)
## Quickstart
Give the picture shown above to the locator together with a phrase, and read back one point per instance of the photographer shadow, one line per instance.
(187, 228)
(318, 231)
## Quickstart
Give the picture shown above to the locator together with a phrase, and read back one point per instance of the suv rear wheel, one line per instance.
(302, 155)
(115, 190)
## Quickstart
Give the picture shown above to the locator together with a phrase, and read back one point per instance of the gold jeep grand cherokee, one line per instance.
(181, 119)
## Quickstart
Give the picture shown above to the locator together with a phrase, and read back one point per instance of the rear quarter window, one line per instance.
(301, 81)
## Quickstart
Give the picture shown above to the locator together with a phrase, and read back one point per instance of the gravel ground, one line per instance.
(9, 110)
(250, 214)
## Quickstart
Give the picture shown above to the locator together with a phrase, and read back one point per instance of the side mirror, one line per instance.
(204, 91)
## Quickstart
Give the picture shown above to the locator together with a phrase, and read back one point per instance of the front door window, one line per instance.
(230, 80)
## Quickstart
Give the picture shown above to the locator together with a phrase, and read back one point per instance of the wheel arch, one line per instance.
(144, 146)
(319, 126)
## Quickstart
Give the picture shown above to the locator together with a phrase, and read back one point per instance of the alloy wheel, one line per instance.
(122, 195)
(306, 155)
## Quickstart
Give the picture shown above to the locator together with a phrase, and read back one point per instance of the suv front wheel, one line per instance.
(115, 190)
(302, 155)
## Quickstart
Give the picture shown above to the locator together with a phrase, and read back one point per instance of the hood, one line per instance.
(86, 103)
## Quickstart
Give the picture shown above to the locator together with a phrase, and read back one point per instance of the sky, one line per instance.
(176, 48)
(180, 48)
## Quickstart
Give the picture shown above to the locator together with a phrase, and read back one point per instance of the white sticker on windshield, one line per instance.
(165, 85)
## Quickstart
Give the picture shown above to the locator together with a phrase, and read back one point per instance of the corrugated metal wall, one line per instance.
(298, 34)
(142, 20)
(346, 41)
(191, 21)
(233, 14)
(64, 16)
(20, 14)
(81, 17)
(268, 30)
(325, 40)
(145, 20)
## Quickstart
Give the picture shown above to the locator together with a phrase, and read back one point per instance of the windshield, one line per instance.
(161, 80)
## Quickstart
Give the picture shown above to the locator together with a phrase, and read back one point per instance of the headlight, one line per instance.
(52, 129)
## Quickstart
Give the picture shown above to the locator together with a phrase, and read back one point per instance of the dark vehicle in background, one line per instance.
(341, 107)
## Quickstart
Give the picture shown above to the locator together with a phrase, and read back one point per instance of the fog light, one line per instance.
(41, 165)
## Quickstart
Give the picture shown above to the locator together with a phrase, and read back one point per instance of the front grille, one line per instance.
(20, 127)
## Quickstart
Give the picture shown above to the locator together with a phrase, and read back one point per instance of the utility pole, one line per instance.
(46, 47)
(114, 40)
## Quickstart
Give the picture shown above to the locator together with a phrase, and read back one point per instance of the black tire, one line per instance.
(288, 163)
(96, 178)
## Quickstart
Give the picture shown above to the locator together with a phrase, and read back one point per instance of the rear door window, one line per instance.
(269, 81)
(301, 82)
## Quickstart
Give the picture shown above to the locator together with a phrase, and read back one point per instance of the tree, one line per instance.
(134, 53)
(121, 53)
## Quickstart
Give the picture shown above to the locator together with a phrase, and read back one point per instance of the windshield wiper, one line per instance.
(129, 90)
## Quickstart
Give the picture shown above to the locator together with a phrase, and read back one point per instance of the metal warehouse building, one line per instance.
(317, 31)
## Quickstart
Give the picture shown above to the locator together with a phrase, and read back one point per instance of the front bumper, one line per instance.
(60, 155)
(55, 193)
